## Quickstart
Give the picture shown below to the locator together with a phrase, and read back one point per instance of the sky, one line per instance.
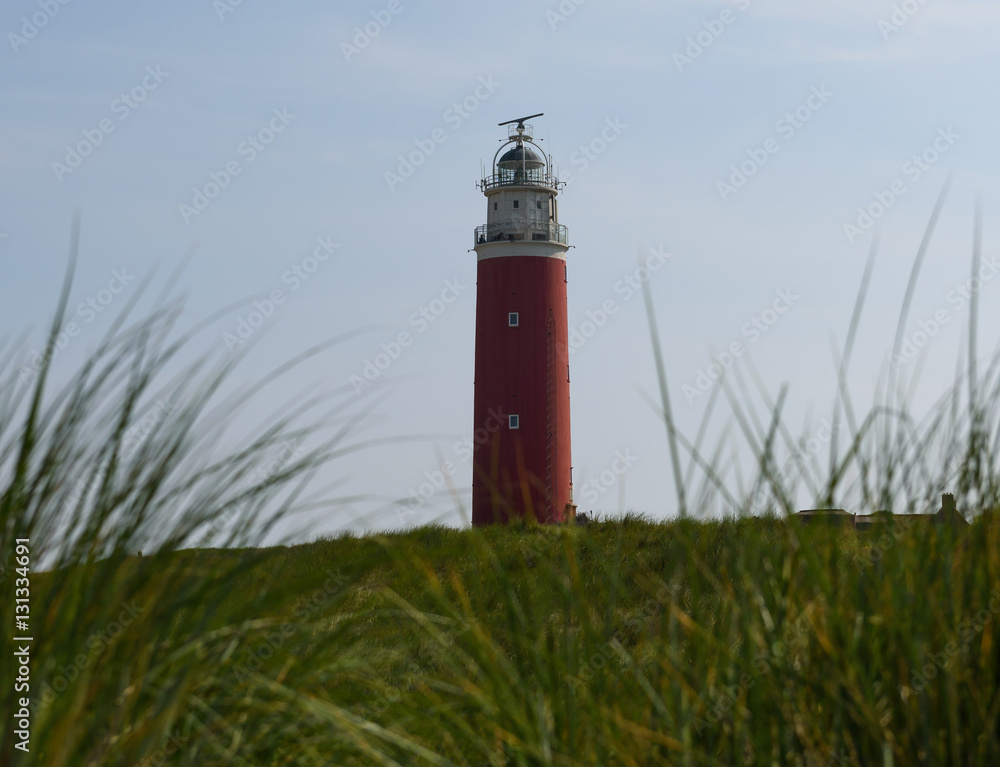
(321, 160)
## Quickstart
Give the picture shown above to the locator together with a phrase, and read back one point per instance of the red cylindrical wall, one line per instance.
(523, 371)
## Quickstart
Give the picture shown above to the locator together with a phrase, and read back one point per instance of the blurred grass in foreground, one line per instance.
(749, 640)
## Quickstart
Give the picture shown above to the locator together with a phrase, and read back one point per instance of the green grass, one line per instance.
(627, 642)
(747, 640)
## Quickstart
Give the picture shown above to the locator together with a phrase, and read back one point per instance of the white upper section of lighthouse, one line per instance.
(522, 214)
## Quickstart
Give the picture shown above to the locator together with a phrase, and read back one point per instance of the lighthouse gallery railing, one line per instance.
(529, 177)
(521, 230)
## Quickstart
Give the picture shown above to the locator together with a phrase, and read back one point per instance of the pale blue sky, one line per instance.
(208, 84)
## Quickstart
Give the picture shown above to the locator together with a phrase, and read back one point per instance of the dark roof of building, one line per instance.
(947, 514)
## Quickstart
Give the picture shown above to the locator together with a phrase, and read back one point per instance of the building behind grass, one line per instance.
(948, 514)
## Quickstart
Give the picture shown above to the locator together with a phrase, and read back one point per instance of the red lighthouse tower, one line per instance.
(521, 465)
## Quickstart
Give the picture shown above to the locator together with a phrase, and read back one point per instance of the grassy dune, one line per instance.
(748, 641)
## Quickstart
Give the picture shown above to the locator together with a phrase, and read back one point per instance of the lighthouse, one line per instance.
(521, 460)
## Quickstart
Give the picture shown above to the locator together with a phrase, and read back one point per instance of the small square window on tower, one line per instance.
(514, 421)
(494, 206)
(515, 203)
(538, 204)
(513, 320)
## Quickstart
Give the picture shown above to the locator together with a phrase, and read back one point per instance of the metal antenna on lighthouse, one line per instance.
(520, 120)
(520, 126)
